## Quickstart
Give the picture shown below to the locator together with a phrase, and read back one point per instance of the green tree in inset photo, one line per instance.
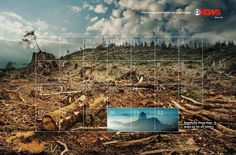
(10, 65)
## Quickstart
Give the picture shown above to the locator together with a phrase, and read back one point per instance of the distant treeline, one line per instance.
(198, 44)
(170, 45)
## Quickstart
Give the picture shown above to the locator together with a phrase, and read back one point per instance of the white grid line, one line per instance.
(202, 72)
(161, 60)
(178, 71)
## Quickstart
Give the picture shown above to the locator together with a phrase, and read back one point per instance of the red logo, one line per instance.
(208, 12)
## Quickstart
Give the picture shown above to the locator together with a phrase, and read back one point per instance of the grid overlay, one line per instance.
(130, 61)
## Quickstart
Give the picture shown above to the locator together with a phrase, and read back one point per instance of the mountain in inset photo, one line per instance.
(145, 124)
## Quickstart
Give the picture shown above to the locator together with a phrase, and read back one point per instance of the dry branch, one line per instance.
(65, 147)
(22, 99)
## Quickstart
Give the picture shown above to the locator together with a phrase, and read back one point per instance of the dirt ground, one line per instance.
(202, 93)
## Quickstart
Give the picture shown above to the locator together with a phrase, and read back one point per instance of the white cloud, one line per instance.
(127, 19)
(135, 4)
(41, 25)
(100, 9)
(94, 19)
(11, 14)
(115, 13)
(108, 1)
(13, 27)
(87, 6)
(75, 9)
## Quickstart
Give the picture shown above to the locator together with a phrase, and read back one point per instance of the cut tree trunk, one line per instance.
(65, 117)
(43, 62)
(97, 105)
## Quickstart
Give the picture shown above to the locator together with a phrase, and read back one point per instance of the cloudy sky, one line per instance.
(58, 21)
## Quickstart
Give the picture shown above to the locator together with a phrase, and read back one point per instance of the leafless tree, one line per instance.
(30, 39)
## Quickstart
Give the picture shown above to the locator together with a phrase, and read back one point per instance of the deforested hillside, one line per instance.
(54, 105)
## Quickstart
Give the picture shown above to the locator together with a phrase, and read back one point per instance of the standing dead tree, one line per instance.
(42, 62)
(31, 39)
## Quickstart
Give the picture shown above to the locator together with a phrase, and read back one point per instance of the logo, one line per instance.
(207, 12)
(197, 12)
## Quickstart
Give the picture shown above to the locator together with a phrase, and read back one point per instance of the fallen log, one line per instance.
(97, 106)
(192, 100)
(229, 124)
(192, 107)
(225, 111)
(179, 150)
(218, 117)
(209, 105)
(142, 141)
(217, 106)
(216, 114)
(189, 112)
(90, 128)
(137, 85)
(199, 116)
(65, 117)
(222, 101)
(58, 93)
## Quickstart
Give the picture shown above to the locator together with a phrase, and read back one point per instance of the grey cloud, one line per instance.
(134, 22)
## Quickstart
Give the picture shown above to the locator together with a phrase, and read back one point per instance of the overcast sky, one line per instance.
(105, 17)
